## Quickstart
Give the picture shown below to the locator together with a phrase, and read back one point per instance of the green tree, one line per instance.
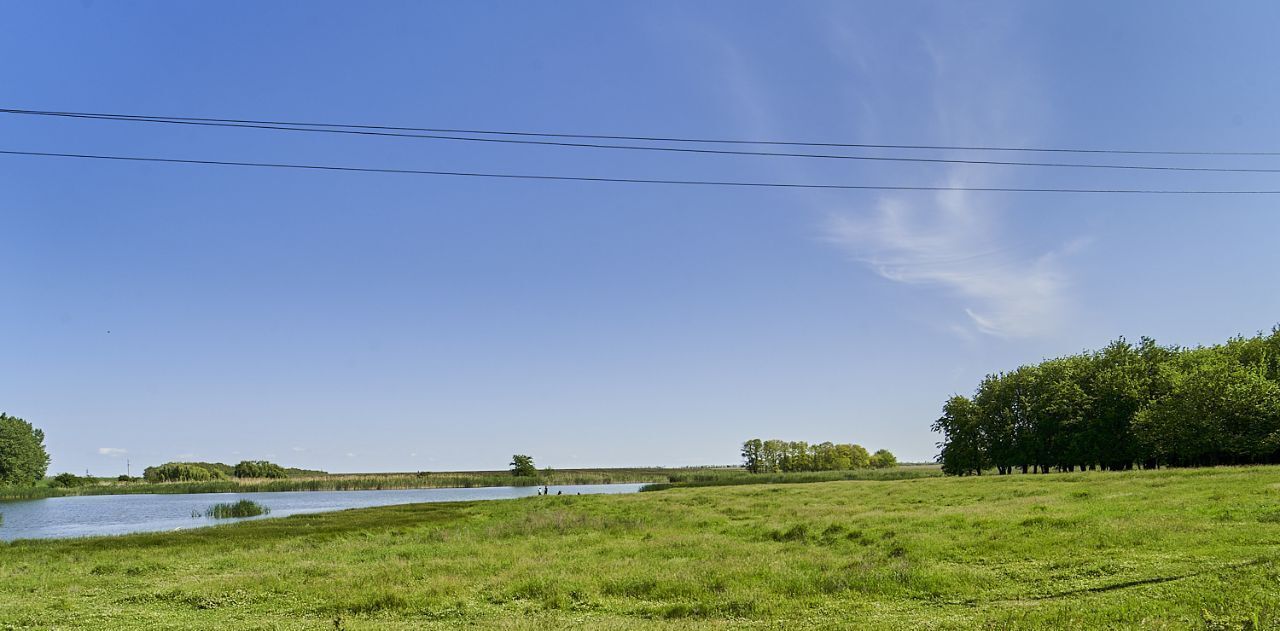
(23, 459)
(882, 459)
(258, 469)
(963, 447)
(752, 455)
(1217, 411)
(181, 472)
(522, 466)
(859, 457)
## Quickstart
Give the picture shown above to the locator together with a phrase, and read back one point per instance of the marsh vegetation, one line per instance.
(235, 510)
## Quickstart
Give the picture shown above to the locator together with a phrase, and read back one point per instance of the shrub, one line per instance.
(69, 481)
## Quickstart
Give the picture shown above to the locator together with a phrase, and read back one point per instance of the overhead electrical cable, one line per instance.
(576, 178)
(371, 130)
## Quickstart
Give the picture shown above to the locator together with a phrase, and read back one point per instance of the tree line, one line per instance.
(206, 471)
(1125, 405)
(782, 456)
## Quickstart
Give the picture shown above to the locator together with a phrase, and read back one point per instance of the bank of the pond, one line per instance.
(91, 515)
(358, 482)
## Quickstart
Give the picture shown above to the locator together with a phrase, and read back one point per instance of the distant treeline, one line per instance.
(206, 471)
(1123, 406)
(783, 456)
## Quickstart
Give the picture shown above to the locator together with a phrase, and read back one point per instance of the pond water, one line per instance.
(88, 515)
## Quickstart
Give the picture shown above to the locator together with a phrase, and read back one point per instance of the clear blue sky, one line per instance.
(357, 322)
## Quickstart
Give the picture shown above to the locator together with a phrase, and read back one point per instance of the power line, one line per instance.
(575, 178)
(373, 130)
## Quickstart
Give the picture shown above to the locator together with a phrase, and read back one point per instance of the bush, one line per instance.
(258, 469)
(69, 481)
(125, 478)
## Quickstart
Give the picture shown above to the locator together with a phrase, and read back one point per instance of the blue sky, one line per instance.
(360, 322)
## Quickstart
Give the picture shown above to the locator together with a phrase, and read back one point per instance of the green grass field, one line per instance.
(1187, 549)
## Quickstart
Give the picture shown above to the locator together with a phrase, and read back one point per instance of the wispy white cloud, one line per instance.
(114, 452)
(950, 242)
(958, 243)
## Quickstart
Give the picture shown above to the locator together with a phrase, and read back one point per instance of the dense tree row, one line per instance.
(182, 472)
(204, 471)
(774, 456)
(1123, 406)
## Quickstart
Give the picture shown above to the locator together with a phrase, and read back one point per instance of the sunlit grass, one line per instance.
(1190, 549)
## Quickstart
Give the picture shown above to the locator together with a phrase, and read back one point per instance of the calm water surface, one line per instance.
(57, 517)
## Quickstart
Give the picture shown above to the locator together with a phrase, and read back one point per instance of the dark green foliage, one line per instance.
(1125, 405)
(258, 469)
(183, 472)
(780, 456)
(965, 451)
(69, 481)
(522, 466)
(23, 459)
(242, 508)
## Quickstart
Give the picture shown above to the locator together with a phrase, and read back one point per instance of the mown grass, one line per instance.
(357, 482)
(1188, 549)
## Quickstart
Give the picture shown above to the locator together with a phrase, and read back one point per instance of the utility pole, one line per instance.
(128, 471)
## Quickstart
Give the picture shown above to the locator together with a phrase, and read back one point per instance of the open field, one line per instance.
(1180, 549)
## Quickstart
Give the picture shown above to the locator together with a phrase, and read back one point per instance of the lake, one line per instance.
(82, 516)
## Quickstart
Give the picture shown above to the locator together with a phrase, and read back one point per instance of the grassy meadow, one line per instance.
(1168, 549)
